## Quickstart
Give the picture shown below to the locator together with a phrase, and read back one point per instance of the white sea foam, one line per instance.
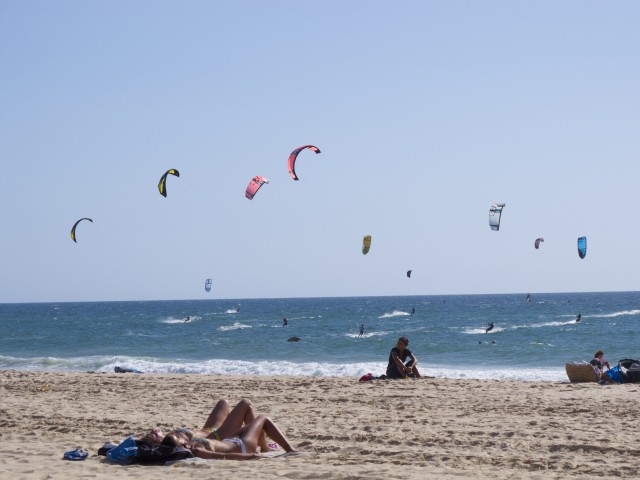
(172, 320)
(615, 314)
(544, 324)
(483, 330)
(395, 313)
(235, 326)
(234, 367)
(367, 334)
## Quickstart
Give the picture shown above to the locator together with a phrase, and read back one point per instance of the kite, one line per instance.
(254, 185)
(294, 156)
(163, 181)
(366, 244)
(494, 215)
(73, 229)
(582, 247)
(538, 241)
(409, 273)
(207, 285)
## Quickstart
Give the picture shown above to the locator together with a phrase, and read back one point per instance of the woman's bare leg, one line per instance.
(263, 425)
(242, 414)
(217, 416)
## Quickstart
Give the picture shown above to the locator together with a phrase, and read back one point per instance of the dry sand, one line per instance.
(404, 429)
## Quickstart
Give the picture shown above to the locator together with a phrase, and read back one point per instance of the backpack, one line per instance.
(633, 373)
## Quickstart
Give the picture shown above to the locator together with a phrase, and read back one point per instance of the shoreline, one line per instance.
(313, 370)
(381, 429)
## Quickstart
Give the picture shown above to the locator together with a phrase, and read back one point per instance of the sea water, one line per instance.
(533, 340)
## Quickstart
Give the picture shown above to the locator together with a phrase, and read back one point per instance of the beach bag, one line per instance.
(627, 362)
(366, 377)
(616, 374)
(125, 453)
(633, 373)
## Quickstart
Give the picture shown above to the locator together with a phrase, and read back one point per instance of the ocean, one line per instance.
(533, 340)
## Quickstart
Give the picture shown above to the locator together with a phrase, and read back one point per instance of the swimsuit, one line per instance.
(206, 443)
(186, 431)
(213, 432)
(237, 441)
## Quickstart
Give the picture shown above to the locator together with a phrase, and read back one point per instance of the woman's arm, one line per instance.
(414, 360)
(203, 453)
(401, 368)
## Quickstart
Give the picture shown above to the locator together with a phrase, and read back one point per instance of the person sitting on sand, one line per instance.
(221, 423)
(599, 361)
(242, 446)
(398, 366)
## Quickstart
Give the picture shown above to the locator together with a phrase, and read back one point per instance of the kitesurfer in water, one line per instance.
(413, 310)
(490, 327)
(188, 319)
(578, 318)
(285, 322)
(398, 366)
(361, 330)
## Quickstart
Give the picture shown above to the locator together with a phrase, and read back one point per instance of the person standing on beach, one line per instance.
(361, 330)
(398, 366)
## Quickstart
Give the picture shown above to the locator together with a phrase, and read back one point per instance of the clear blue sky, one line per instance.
(426, 113)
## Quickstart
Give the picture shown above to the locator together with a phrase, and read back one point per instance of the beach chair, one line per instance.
(581, 372)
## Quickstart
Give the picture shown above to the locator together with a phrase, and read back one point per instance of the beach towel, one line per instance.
(125, 453)
(616, 374)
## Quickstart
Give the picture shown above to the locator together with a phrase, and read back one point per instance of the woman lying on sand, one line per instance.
(230, 435)
(242, 446)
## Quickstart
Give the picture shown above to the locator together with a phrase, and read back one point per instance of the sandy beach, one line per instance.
(428, 428)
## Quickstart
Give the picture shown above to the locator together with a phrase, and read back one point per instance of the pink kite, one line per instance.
(294, 156)
(254, 185)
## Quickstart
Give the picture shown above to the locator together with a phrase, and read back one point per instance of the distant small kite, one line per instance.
(582, 247)
(73, 229)
(537, 243)
(409, 273)
(495, 212)
(207, 284)
(294, 155)
(163, 181)
(254, 185)
(366, 244)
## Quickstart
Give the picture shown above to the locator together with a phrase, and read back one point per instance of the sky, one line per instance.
(426, 113)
